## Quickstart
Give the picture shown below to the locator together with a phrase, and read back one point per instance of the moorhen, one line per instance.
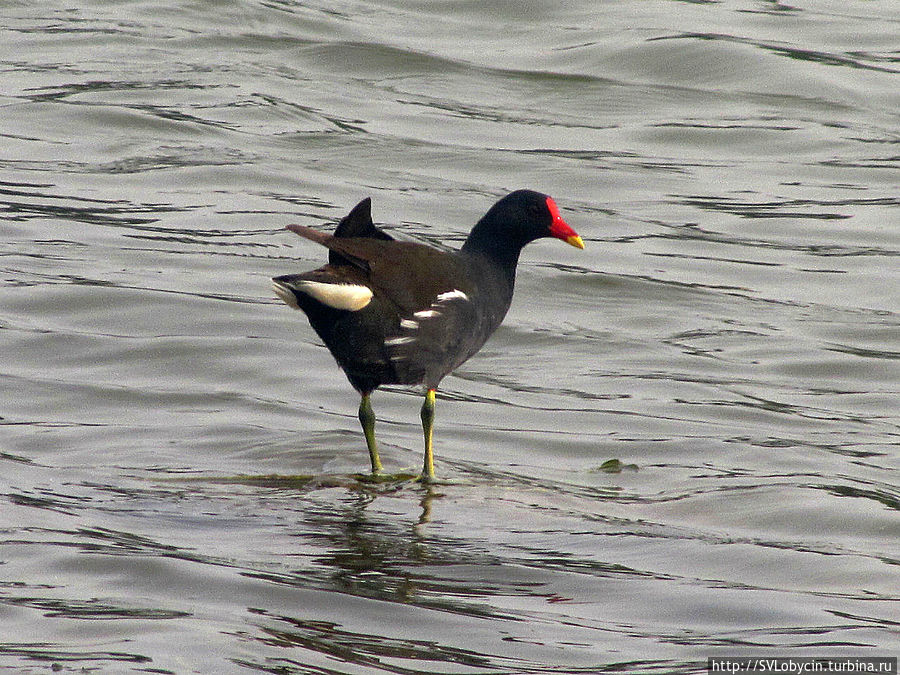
(397, 312)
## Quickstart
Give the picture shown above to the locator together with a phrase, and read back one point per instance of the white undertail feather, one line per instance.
(286, 294)
(350, 297)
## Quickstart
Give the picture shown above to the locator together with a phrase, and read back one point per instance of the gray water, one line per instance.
(179, 453)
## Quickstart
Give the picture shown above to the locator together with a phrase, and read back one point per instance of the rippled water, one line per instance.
(178, 452)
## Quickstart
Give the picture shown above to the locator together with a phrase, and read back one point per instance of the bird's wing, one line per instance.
(409, 274)
(357, 223)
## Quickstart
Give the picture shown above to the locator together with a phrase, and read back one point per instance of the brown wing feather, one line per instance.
(386, 265)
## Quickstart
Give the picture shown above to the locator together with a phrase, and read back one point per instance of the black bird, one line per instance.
(396, 312)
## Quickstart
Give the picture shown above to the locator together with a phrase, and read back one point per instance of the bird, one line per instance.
(407, 313)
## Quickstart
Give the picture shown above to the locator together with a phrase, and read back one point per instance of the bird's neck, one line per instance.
(484, 241)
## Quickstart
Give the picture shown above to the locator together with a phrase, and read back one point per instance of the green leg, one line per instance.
(428, 429)
(367, 420)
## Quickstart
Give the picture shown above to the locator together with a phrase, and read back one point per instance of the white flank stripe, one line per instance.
(455, 294)
(411, 325)
(426, 314)
(441, 299)
(393, 342)
(351, 297)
